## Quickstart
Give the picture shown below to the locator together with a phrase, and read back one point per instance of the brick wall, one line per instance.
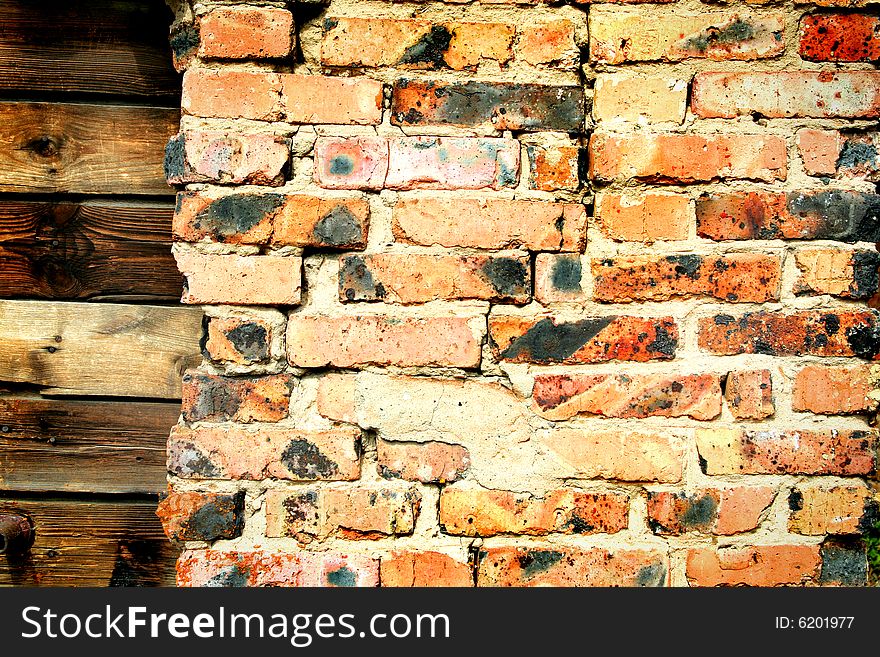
(514, 293)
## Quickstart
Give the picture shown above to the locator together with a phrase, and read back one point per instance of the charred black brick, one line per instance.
(567, 273)
(232, 215)
(430, 49)
(251, 341)
(339, 227)
(508, 276)
(546, 342)
(305, 460)
(844, 562)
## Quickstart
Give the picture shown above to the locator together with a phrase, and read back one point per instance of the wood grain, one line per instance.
(117, 47)
(116, 350)
(57, 445)
(84, 148)
(108, 249)
(91, 543)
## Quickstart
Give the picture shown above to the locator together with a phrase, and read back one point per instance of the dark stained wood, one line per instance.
(103, 249)
(84, 148)
(91, 543)
(83, 446)
(116, 350)
(117, 47)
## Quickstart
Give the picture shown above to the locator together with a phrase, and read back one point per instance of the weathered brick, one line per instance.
(468, 510)
(410, 568)
(736, 277)
(774, 451)
(686, 158)
(749, 394)
(317, 340)
(232, 94)
(645, 218)
(238, 280)
(826, 94)
(213, 398)
(818, 509)
(547, 339)
(416, 162)
(430, 462)
(418, 278)
(624, 454)
(490, 223)
(830, 215)
(414, 44)
(246, 33)
(840, 38)
(841, 273)
(558, 277)
(555, 168)
(239, 340)
(807, 332)
(844, 562)
(833, 390)
(550, 44)
(562, 396)
(360, 512)
(839, 154)
(558, 565)
(765, 565)
(492, 105)
(226, 158)
(194, 516)
(617, 36)
(639, 98)
(306, 569)
(281, 219)
(265, 453)
(323, 99)
(721, 511)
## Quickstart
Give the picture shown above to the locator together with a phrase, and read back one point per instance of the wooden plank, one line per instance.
(116, 350)
(52, 445)
(91, 543)
(93, 249)
(83, 148)
(117, 47)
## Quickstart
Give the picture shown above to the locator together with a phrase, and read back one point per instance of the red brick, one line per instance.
(644, 218)
(739, 277)
(232, 94)
(548, 44)
(407, 568)
(239, 340)
(558, 277)
(721, 511)
(407, 341)
(765, 565)
(418, 278)
(490, 223)
(246, 33)
(621, 454)
(213, 398)
(414, 44)
(639, 98)
(807, 332)
(833, 390)
(749, 394)
(265, 453)
(467, 510)
(774, 451)
(241, 280)
(306, 569)
(195, 516)
(818, 509)
(547, 339)
(847, 274)
(834, 215)
(488, 105)
(429, 462)
(554, 168)
(562, 396)
(666, 157)
(354, 512)
(838, 154)
(840, 38)
(617, 36)
(826, 94)
(558, 565)
(197, 156)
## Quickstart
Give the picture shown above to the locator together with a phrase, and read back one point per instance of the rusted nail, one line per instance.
(17, 533)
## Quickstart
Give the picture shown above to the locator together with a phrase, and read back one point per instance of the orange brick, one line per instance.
(766, 565)
(192, 516)
(324, 99)
(213, 398)
(548, 44)
(833, 390)
(241, 280)
(749, 394)
(848, 274)
(637, 98)
(429, 462)
(721, 511)
(410, 568)
(645, 218)
(553, 168)
(818, 509)
(232, 94)
(246, 33)
(558, 277)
